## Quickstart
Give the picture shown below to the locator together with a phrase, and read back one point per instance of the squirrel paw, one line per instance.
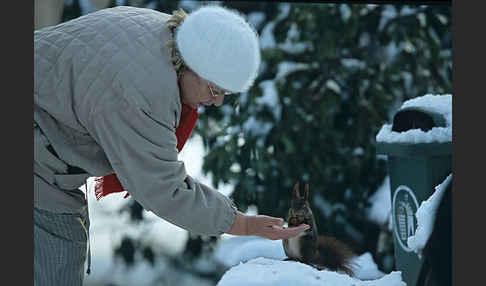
(318, 267)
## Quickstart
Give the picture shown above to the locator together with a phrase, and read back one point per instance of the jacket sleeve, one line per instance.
(142, 152)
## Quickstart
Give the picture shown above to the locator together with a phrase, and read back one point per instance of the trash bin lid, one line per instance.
(422, 126)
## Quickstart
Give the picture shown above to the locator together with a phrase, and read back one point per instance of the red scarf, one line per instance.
(110, 184)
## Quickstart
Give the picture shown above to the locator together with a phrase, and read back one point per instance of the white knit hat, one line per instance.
(220, 46)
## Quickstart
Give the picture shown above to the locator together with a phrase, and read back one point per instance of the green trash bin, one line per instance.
(419, 149)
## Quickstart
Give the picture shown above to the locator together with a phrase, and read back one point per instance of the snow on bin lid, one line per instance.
(440, 104)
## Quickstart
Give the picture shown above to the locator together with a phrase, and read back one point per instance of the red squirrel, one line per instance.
(318, 251)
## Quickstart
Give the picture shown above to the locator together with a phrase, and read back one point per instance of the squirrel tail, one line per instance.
(334, 255)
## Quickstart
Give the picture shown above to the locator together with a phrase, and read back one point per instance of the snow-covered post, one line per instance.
(419, 149)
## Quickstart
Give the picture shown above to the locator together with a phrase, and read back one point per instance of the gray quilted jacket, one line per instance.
(106, 100)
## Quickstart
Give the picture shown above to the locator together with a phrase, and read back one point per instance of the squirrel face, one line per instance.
(299, 212)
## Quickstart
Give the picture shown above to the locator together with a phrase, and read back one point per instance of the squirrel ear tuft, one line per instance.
(306, 195)
(296, 193)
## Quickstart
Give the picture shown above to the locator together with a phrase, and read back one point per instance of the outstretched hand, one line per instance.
(264, 226)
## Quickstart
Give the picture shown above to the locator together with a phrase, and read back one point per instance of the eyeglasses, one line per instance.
(216, 92)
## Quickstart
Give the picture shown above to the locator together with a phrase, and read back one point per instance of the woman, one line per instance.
(115, 96)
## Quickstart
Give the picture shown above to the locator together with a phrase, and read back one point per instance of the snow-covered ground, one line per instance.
(270, 272)
(261, 262)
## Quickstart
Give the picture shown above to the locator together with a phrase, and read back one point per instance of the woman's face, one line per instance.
(196, 91)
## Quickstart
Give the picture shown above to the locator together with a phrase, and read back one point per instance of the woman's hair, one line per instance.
(174, 21)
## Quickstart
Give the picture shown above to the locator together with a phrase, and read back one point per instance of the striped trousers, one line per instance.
(60, 247)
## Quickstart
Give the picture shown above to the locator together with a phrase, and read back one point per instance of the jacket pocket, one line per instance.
(51, 168)
(45, 159)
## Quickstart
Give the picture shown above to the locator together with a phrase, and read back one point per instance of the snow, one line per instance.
(256, 18)
(365, 268)
(323, 205)
(270, 272)
(345, 12)
(256, 127)
(188, 5)
(426, 217)
(351, 63)
(244, 248)
(267, 40)
(380, 209)
(286, 67)
(192, 155)
(270, 98)
(333, 85)
(257, 261)
(441, 104)
(358, 151)
(388, 13)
